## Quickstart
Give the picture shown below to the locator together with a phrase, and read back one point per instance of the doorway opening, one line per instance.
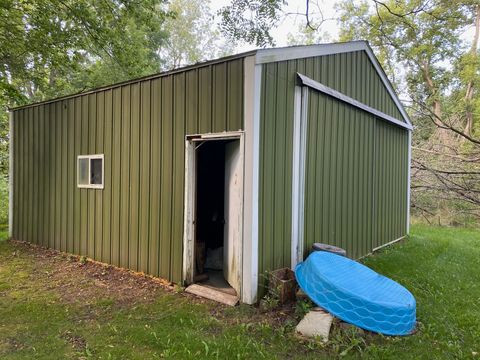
(214, 213)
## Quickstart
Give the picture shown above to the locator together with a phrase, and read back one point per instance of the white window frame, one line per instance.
(90, 158)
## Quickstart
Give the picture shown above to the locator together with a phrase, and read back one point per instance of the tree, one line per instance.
(52, 48)
(420, 45)
(192, 37)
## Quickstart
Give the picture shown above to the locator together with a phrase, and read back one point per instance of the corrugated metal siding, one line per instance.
(137, 220)
(391, 183)
(349, 73)
(356, 178)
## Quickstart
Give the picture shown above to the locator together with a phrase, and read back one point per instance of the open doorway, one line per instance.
(214, 213)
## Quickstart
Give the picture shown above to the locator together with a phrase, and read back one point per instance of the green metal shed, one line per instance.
(256, 155)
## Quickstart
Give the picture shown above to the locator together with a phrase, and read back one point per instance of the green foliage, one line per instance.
(251, 20)
(191, 36)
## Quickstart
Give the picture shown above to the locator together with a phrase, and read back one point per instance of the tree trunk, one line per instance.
(470, 86)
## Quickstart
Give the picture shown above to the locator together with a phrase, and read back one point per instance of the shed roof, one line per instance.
(263, 56)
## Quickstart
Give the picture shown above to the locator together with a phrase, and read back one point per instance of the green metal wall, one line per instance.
(350, 73)
(356, 178)
(136, 222)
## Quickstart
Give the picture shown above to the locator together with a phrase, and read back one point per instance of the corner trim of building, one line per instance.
(409, 164)
(388, 244)
(10, 175)
(298, 173)
(252, 94)
(347, 99)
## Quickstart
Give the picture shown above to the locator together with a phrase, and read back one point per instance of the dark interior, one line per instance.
(210, 201)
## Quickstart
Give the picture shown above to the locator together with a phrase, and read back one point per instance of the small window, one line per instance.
(90, 171)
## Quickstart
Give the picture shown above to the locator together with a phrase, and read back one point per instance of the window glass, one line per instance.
(96, 171)
(83, 172)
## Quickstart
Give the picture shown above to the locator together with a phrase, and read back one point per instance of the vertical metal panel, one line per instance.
(342, 142)
(178, 189)
(71, 172)
(134, 175)
(77, 196)
(99, 195)
(64, 177)
(339, 184)
(166, 182)
(156, 174)
(116, 175)
(106, 225)
(91, 149)
(136, 221)
(125, 178)
(145, 178)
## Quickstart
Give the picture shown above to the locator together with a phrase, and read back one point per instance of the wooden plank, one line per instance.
(212, 294)
(134, 176)
(145, 176)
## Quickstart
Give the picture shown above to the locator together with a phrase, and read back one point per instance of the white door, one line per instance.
(233, 215)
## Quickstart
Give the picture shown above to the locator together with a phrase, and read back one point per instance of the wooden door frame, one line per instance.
(191, 142)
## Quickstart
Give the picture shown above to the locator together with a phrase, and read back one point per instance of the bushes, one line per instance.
(3, 200)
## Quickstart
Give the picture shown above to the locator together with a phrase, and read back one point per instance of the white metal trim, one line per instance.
(296, 52)
(248, 291)
(388, 244)
(387, 84)
(10, 175)
(409, 179)
(299, 169)
(90, 157)
(347, 99)
(296, 174)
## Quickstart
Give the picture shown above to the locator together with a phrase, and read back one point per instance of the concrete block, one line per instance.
(316, 323)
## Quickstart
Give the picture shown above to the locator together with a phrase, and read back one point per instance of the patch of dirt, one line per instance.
(86, 282)
(77, 342)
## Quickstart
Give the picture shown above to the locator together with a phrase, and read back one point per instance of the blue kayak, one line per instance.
(357, 294)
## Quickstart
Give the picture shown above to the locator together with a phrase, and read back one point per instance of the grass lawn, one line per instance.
(55, 306)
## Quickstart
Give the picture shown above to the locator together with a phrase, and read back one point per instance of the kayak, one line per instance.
(357, 294)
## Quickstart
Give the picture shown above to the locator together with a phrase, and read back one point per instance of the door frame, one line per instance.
(191, 145)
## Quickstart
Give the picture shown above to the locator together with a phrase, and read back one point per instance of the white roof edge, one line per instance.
(297, 52)
(347, 99)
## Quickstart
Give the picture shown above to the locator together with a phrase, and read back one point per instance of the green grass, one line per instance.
(441, 266)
